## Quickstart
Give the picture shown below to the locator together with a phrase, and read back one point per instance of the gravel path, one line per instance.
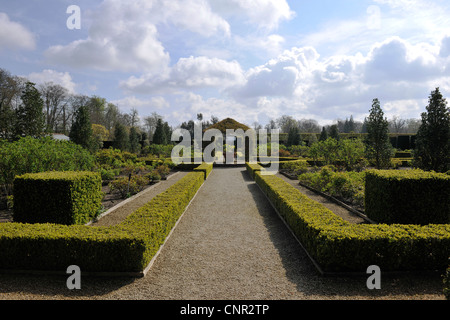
(231, 245)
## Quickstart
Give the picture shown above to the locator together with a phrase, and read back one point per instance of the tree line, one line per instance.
(27, 109)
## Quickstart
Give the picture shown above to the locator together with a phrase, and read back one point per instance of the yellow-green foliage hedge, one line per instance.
(126, 247)
(57, 197)
(407, 196)
(337, 245)
(206, 168)
(252, 168)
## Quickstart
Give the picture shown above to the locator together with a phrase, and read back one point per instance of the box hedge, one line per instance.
(407, 196)
(337, 245)
(206, 168)
(126, 247)
(57, 197)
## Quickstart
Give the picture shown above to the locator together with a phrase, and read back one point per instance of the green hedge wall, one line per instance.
(407, 197)
(206, 168)
(57, 197)
(337, 245)
(126, 247)
(252, 168)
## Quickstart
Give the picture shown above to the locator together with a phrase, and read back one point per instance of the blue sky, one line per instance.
(249, 60)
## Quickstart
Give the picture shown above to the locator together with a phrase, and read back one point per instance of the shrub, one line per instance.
(153, 176)
(347, 186)
(57, 197)
(128, 186)
(407, 196)
(29, 155)
(163, 171)
(126, 247)
(294, 167)
(109, 174)
(206, 168)
(337, 245)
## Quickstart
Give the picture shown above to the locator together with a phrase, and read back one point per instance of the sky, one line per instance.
(251, 60)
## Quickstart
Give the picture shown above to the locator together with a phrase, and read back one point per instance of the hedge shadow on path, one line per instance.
(301, 271)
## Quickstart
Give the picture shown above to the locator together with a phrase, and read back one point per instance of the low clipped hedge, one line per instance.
(252, 168)
(126, 247)
(337, 245)
(407, 196)
(57, 197)
(206, 168)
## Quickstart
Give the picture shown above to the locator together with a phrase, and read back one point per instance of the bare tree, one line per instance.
(56, 101)
(134, 117)
(397, 125)
(11, 88)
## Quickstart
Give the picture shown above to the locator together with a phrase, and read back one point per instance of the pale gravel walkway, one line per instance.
(230, 244)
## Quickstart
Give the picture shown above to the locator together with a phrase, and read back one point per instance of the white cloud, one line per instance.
(14, 36)
(192, 72)
(266, 14)
(144, 106)
(220, 108)
(299, 83)
(397, 60)
(120, 39)
(61, 78)
(124, 35)
(281, 76)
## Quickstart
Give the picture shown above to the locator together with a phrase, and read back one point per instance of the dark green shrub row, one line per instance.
(206, 168)
(57, 197)
(337, 245)
(407, 196)
(126, 247)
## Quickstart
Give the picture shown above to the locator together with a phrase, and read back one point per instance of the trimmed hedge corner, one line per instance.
(124, 248)
(57, 197)
(407, 197)
(206, 168)
(337, 245)
(252, 168)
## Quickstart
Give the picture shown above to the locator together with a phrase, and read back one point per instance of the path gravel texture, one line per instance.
(229, 245)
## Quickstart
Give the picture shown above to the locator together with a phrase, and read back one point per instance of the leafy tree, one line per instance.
(160, 137)
(334, 132)
(121, 138)
(433, 137)
(167, 132)
(30, 119)
(349, 125)
(323, 134)
(99, 134)
(351, 152)
(81, 131)
(378, 146)
(294, 136)
(134, 140)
